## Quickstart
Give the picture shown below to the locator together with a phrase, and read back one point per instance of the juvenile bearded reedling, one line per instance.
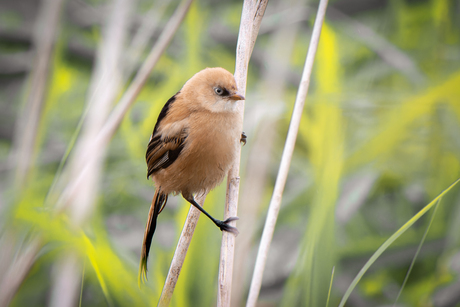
(193, 144)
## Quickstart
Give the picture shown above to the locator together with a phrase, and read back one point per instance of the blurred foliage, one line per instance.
(378, 142)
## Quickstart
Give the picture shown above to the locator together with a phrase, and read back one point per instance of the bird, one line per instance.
(195, 139)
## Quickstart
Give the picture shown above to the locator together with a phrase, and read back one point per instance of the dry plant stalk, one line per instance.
(180, 253)
(275, 202)
(262, 140)
(251, 18)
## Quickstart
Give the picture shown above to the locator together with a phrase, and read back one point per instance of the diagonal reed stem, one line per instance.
(275, 202)
(180, 253)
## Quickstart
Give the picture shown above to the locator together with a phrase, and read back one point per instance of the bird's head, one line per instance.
(213, 89)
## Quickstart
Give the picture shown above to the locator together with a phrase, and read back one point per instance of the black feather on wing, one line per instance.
(161, 153)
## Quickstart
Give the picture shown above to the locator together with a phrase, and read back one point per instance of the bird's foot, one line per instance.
(244, 138)
(223, 225)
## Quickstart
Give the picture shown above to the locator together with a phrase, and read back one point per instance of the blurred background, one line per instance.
(379, 139)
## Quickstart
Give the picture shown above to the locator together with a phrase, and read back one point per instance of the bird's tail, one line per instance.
(158, 202)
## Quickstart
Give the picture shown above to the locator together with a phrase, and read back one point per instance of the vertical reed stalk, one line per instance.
(275, 202)
(261, 144)
(251, 18)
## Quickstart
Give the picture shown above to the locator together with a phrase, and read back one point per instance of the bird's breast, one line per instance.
(211, 146)
(214, 142)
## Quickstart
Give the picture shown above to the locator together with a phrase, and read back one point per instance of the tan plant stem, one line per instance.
(251, 18)
(280, 183)
(260, 148)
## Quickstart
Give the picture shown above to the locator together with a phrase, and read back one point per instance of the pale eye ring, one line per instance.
(219, 91)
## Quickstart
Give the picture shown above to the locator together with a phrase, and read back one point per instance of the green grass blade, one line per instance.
(330, 286)
(388, 242)
(417, 252)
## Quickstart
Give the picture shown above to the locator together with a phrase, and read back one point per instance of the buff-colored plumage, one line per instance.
(193, 144)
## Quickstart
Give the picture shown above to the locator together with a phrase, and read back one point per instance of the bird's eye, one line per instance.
(219, 91)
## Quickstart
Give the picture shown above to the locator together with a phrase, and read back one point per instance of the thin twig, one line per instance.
(251, 19)
(275, 202)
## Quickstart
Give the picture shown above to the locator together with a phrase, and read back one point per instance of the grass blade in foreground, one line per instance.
(417, 252)
(393, 238)
(330, 287)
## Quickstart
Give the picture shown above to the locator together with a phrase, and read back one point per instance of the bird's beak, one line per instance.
(237, 96)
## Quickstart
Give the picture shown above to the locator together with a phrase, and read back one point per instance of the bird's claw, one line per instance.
(244, 138)
(223, 225)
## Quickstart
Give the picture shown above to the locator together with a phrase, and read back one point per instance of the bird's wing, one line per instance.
(163, 151)
(167, 140)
